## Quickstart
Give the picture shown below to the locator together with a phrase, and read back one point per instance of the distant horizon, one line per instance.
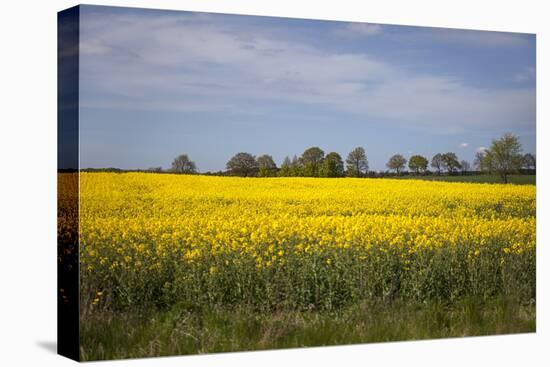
(155, 84)
(224, 169)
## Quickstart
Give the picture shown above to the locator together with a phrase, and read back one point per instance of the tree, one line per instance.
(478, 160)
(483, 161)
(242, 164)
(267, 166)
(182, 164)
(464, 166)
(397, 162)
(437, 162)
(286, 168)
(504, 156)
(529, 161)
(296, 167)
(450, 162)
(311, 159)
(418, 163)
(332, 166)
(356, 163)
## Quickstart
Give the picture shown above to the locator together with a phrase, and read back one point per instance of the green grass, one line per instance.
(183, 330)
(513, 179)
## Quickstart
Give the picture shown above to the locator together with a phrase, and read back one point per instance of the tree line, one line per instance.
(503, 157)
(312, 163)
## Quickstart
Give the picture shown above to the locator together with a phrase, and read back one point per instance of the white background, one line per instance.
(28, 64)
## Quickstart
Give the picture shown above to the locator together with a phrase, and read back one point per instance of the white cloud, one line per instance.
(191, 63)
(360, 29)
(481, 149)
(463, 145)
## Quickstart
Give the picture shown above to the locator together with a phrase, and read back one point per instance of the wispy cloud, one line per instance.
(360, 29)
(464, 145)
(188, 62)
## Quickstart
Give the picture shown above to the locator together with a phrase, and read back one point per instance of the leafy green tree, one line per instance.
(418, 164)
(312, 159)
(357, 163)
(243, 164)
(286, 168)
(267, 166)
(450, 162)
(332, 166)
(504, 156)
(484, 161)
(397, 163)
(182, 164)
(297, 169)
(437, 162)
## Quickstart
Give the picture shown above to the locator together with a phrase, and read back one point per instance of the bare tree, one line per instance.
(182, 164)
(357, 163)
(437, 162)
(478, 160)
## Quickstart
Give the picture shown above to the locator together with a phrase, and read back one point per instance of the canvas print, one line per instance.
(236, 183)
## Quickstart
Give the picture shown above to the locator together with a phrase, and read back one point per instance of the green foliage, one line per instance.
(297, 169)
(478, 160)
(450, 162)
(184, 329)
(307, 301)
(267, 167)
(490, 179)
(311, 161)
(286, 168)
(504, 156)
(397, 162)
(332, 166)
(324, 280)
(418, 164)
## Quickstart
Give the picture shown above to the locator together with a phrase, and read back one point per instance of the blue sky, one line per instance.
(155, 84)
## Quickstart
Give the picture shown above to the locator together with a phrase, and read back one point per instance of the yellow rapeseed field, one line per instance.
(299, 242)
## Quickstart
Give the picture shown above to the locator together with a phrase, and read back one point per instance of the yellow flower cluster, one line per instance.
(138, 221)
